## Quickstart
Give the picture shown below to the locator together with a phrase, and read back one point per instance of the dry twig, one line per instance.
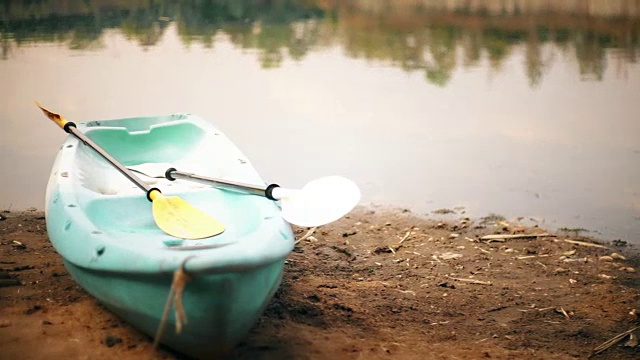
(309, 233)
(483, 250)
(563, 312)
(406, 236)
(503, 237)
(531, 256)
(472, 281)
(614, 340)
(582, 243)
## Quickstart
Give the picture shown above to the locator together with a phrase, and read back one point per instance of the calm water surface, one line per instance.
(521, 108)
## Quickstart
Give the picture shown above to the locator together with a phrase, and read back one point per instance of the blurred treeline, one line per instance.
(431, 36)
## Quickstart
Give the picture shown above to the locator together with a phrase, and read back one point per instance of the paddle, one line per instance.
(319, 202)
(172, 214)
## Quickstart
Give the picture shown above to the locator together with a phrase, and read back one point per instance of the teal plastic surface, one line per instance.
(103, 227)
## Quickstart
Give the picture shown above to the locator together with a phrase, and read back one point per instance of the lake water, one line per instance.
(520, 108)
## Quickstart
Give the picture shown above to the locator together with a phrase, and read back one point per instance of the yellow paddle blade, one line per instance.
(178, 218)
(56, 118)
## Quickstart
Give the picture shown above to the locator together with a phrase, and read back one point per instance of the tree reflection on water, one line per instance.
(433, 37)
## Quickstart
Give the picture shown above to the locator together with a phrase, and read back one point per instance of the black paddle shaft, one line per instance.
(71, 128)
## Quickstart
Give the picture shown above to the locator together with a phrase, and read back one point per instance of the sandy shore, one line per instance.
(376, 284)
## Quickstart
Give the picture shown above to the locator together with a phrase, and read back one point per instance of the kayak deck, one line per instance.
(115, 215)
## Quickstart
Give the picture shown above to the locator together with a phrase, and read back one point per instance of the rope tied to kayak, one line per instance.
(180, 279)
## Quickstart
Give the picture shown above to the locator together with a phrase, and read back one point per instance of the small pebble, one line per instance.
(110, 340)
(617, 256)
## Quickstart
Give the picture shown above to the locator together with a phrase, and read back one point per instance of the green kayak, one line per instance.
(103, 227)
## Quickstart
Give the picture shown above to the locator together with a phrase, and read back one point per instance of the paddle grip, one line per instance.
(68, 125)
(167, 174)
(150, 191)
(268, 192)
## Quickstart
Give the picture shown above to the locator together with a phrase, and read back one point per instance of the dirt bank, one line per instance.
(376, 284)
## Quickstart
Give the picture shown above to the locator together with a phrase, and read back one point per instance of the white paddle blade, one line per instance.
(320, 201)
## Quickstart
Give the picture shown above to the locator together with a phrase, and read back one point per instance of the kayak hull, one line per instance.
(220, 308)
(102, 225)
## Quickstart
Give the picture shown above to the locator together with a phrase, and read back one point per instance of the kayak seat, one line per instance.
(167, 142)
(137, 124)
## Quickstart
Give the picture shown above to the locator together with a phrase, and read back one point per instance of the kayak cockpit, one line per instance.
(164, 142)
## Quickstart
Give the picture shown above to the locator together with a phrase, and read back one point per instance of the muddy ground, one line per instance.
(376, 284)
